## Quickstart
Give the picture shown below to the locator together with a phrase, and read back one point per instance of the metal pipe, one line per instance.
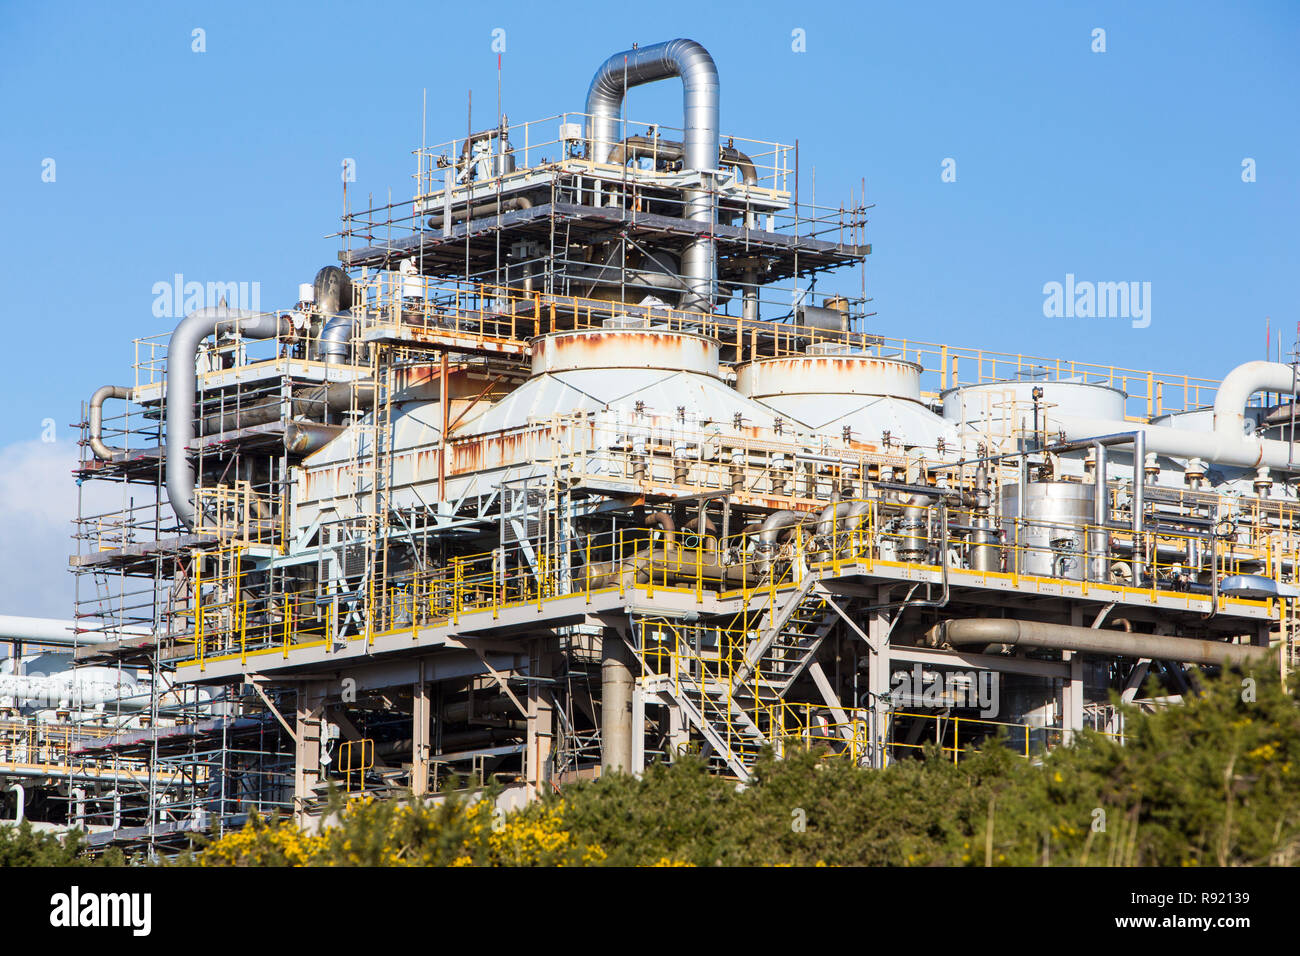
(915, 543)
(51, 632)
(1240, 384)
(336, 339)
(17, 788)
(690, 61)
(986, 555)
(182, 353)
(1091, 640)
(481, 210)
(304, 438)
(315, 403)
(96, 429)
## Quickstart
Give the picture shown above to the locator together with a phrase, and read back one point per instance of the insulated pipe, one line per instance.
(182, 353)
(1240, 384)
(770, 532)
(101, 451)
(665, 521)
(304, 438)
(21, 793)
(985, 555)
(1089, 640)
(51, 632)
(482, 210)
(315, 403)
(336, 338)
(916, 534)
(659, 61)
(1238, 451)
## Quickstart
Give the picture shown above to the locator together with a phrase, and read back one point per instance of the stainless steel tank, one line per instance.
(1051, 541)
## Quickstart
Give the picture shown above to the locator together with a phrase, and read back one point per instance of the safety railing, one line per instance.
(753, 568)
(238, 515)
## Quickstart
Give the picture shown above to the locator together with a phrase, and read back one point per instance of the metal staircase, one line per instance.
(733, 698)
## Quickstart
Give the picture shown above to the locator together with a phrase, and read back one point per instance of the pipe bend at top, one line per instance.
(658, 61)
(182, 353)
(96, 424)
(1240, 384)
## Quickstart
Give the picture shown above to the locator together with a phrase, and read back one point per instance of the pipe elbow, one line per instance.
(96, 424)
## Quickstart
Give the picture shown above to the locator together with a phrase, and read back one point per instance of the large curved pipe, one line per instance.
(336, 339)
(1243, 382)
(1089, 640)
(1220, 448)
(96, 428)
(182, 353)
(699, 75)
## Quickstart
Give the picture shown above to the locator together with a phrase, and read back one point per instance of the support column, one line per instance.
(541, 723)
(308, 731)
(1072, 704)
(637, 764)
(878, 679)
(615, 703)
(420, 735)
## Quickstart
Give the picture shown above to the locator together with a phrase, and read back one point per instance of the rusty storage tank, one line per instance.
(832, 390)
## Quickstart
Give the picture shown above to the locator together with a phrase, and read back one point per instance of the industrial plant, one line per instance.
(586, 456)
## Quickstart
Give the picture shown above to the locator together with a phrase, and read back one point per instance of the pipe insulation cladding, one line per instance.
(182, 354)
(659, 61)
(1089, 640)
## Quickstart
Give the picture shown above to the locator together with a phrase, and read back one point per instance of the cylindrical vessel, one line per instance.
(1051, 538)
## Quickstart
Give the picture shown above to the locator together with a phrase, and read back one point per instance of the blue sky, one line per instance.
(224, 165)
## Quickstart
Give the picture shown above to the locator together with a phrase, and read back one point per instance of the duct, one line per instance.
(96, 430)
(182, 353)
(52, 632)
(1089, 640)
(690, 61)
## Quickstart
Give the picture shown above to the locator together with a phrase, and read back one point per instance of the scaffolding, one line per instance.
(379, 593)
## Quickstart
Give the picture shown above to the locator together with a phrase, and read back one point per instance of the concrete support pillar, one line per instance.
(541, 722)
(308, 733)
(878, 686)
(637, 764)
(679, 736)
(616, 682)
(420, 734)
(1072, 704)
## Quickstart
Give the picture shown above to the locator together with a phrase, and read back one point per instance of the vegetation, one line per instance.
(24, 846)
(1213, 782)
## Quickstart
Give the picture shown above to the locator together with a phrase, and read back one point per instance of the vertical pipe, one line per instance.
(1139, 502)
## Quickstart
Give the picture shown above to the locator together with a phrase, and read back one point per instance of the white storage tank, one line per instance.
(831, 391)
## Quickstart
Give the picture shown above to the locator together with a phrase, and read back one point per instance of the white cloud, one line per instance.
(38, 504)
